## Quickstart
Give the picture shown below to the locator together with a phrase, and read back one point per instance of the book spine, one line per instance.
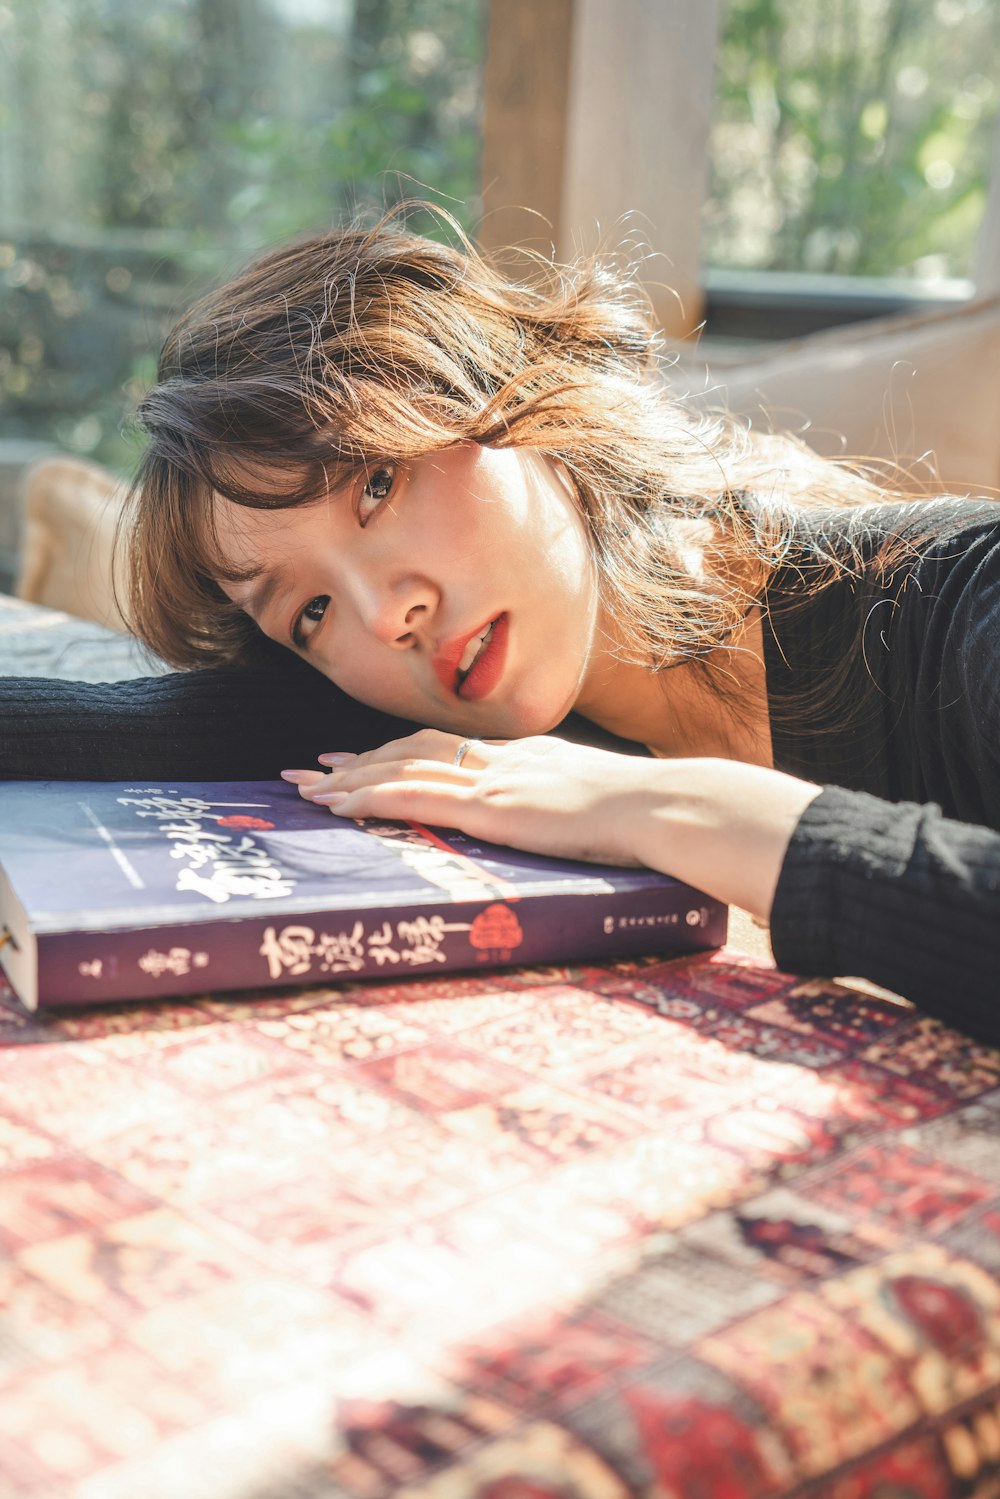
(285, 948)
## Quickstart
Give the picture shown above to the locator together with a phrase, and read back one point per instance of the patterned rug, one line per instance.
(689, 1230)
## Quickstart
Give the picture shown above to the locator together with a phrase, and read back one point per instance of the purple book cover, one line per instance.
(116, 892)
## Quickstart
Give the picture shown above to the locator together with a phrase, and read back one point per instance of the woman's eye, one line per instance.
(377, 489)
(310, 615)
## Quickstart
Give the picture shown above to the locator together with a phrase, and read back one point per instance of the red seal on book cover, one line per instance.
(241, 820)
(496, 929)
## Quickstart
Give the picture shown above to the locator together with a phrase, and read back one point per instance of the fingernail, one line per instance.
(335, 759)
(296, 776)
(331, 798)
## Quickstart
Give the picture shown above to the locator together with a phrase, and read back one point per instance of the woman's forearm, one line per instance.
(852, 884)
(720, 825)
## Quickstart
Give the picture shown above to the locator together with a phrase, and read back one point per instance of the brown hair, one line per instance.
(377, 344)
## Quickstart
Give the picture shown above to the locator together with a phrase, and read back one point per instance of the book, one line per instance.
(119, 892)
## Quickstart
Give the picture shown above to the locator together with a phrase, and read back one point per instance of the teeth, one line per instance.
(470, 653)
(475, 645)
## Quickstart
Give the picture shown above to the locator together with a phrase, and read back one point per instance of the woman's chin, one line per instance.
(486, 720)
(519, 724)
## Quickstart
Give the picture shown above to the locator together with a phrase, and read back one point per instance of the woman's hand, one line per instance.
(542, 794)
(720, 825)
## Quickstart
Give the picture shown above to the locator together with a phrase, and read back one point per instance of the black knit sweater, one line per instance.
(893, 873)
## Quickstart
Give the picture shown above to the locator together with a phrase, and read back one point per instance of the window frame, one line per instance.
(545, 82)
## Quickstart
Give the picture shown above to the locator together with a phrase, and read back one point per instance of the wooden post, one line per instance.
(987, 272)
(526, 114)
(596, 129)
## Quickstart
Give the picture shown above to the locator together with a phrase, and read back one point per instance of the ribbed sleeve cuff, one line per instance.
(898, 894)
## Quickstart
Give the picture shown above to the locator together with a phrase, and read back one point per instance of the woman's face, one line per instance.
(457, 590)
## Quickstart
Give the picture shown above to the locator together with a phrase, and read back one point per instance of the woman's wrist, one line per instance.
(720, 825)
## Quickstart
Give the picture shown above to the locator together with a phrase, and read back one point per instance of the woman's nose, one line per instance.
(397, 614)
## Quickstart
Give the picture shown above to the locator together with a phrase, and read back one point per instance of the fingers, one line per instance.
(441, 803)
(302, 778)
(425, 744)
(424, 772)
(401, 769)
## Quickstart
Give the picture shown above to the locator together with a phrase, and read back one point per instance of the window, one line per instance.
(148, 148)
(851, 151)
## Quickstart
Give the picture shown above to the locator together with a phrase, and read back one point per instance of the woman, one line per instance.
(470, 503)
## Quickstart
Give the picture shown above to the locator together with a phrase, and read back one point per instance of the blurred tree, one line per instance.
(148, 149)
(853, 136)
(145, 149)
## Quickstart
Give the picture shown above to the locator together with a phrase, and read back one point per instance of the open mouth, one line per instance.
(476, 647)
(481, 665)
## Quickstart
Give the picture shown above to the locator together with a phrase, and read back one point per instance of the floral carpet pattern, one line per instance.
(682, 1230)
(677, 1230)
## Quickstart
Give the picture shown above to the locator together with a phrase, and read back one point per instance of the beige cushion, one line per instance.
(69, 512)
(922, 390)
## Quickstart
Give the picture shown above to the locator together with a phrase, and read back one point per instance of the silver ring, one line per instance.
(463, 750)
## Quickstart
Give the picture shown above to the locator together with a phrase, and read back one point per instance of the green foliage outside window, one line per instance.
(147, 149)
(854, 136)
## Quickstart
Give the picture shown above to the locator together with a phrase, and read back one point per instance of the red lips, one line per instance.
(488, 667)
(478, 682)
